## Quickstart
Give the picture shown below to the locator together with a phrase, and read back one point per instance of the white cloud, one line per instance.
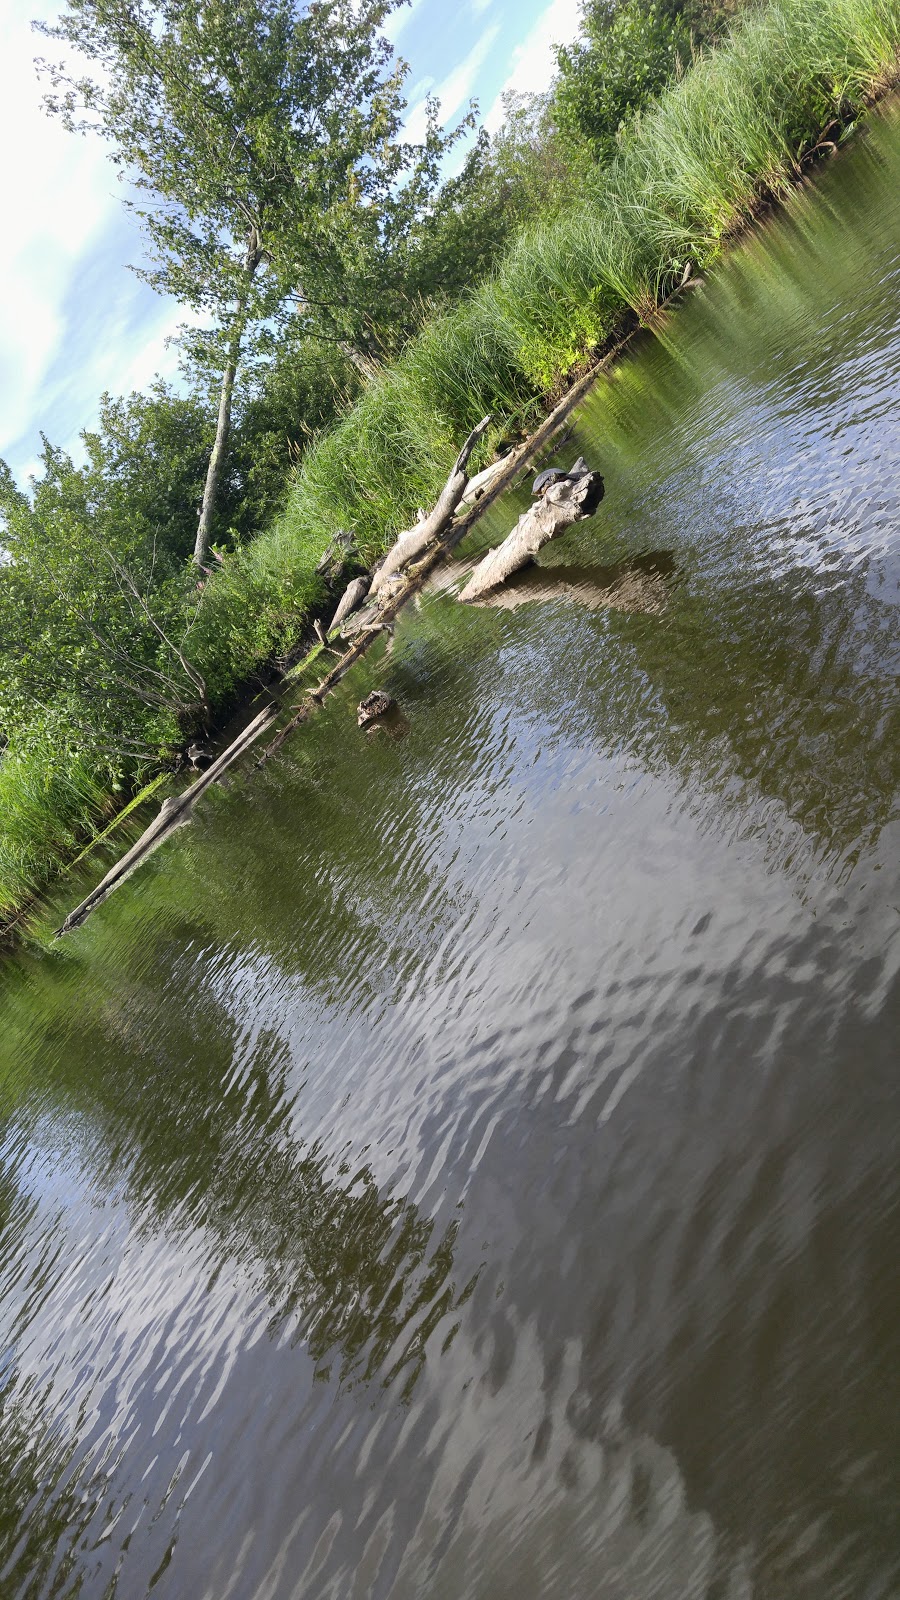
(57, 195)
(533, 61)
(397, 21)
(456, 88)
(155, 357)
(73, 322)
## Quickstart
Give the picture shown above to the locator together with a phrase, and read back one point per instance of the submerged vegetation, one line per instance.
(626, 179)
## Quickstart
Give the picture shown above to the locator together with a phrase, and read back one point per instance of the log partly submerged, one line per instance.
(353, 596)
(569, 498)
(414, 540)
(172, 814)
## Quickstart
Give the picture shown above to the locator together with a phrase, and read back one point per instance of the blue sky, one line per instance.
(73, 320)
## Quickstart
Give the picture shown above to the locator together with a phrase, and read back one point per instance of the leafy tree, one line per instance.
(628, 52)
(145, 468)
(526, 169)
(264, 142)
(282, 405)
(94, 609)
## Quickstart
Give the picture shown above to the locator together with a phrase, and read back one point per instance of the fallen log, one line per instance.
(482, 480)
(173, 813)
(568, 500)
(353, 596)
(414, 540)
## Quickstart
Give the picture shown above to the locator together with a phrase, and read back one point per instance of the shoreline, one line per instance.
(276, 681)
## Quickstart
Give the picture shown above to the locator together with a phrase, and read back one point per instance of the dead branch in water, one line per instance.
(173, 813)
(414, 540)
(571, 498)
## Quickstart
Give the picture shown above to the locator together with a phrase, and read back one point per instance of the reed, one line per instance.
(50, 801)
(690, 171)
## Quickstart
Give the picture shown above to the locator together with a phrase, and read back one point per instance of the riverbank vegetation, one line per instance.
(355, 334)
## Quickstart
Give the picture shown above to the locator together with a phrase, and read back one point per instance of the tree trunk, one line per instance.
(414, 540)
(571, 498)
(219, 449)
(223, 422)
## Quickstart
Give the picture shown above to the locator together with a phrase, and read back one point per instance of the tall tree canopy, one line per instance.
(264, 140)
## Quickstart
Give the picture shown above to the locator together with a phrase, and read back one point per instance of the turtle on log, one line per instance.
(551, 475)
(545, 478)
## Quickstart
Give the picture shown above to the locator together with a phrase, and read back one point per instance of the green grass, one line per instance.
(692, 169)
(734, 131)
(50, 801)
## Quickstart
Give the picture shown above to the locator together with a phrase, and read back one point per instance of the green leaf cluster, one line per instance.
(629, 50)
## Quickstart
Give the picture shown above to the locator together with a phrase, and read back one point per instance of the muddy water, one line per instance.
(463, 1162)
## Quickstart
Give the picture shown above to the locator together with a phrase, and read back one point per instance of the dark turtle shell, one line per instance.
(545, 478)
(375, 705)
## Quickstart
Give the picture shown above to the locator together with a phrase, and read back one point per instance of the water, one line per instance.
(464, 1164)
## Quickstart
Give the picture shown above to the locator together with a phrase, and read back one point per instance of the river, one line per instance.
(463, 1162)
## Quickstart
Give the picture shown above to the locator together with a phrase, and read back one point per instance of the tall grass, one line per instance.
(691, 170)
(50, 801)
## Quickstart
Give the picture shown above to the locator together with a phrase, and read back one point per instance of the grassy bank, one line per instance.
(691, 171)
(50, 801)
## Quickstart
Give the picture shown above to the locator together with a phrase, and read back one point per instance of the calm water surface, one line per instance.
(464, 1164)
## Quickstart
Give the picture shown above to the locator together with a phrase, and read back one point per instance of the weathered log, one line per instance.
(368, 616)
(482, 480)
(172, 814)
(414, 540)
(569, 500)
(353, 596)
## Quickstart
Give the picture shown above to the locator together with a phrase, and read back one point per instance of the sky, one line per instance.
(74, 322)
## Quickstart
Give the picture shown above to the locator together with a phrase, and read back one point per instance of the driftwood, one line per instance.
(568, 500)
(173, 813)
(353, 596)
(476, 486)
(414, 540)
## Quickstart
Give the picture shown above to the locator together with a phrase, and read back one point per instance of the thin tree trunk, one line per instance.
(219, 449)
(223, 421)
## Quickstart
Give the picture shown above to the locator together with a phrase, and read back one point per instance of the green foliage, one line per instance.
(50, 799)
(146, 461)
(255, 605)
(93, 592)
(524, 172)
(286, 400)
(109, 651)
(629, 51)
